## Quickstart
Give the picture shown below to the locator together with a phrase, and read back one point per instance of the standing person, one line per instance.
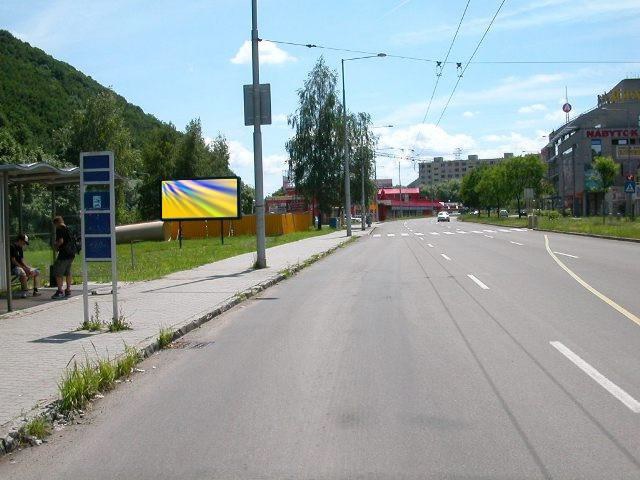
(20, 268)
(65, 246)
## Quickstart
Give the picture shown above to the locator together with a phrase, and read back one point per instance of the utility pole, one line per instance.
(257, 140)
(347, 182)
(363, 199)
(400, 183)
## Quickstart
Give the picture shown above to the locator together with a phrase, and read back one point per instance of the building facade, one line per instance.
(609, 129)
(440, 170)
(396, 202)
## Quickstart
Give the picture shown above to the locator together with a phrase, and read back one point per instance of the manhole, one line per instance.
(182, 344)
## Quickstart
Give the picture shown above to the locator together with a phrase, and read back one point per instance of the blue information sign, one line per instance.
(96, 200)
(97, 223)
(97, 248)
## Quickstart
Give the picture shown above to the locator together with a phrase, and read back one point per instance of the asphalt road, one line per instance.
(445, 351)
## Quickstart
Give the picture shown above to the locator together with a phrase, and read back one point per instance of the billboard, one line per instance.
(201, 199)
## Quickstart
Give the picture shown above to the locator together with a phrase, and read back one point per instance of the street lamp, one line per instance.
(347, 182)
(375, 174)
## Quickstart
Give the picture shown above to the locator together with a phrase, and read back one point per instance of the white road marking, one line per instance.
(630, 402)
(516, 243)
(565, 254)
(490, 231)
(461, 231)
(601, 296)
(448, 233)
(434, 233)
(376, 235)
(478, 282)
(476, 231)
(430, 246)
(445, 257)
(419, 234)
(391, 234)
(503, 230)
(488, 236)
(404, 234)
(421, 238)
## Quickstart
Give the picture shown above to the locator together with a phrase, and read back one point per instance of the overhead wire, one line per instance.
(455, 87)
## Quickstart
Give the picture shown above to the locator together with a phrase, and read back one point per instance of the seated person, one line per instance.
(21, 269)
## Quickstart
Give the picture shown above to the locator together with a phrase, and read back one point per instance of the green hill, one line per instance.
(38, 95)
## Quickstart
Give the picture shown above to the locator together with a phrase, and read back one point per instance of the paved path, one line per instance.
(38, 342)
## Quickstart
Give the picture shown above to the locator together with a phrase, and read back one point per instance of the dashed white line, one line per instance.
(461, 231)
(478, 282)
(434, 233)
(445, 257)
(430, 246)
(419, 234)
(488, 236)
(503, 230)
(391, 234)
(421, 238)
(630, 402)
(476, 231)
(448, 233)
(404, 234)
(490, 231)
(376, 235)
(516, 243)
(565, 254)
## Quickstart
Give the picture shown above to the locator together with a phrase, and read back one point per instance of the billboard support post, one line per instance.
(180, 233)
(221, 232)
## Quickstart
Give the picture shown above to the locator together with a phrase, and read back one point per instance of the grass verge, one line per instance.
(165, 337)
(153, 260)
(613, 226)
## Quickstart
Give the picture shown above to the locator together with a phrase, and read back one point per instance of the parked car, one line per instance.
(443, 217)
(503, 213)
(476, 213)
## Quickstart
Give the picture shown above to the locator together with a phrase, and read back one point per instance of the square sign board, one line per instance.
(201, 199)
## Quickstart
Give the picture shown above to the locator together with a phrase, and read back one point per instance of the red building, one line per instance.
(396, 202)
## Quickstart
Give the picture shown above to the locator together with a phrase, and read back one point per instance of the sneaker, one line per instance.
(67, 292)
(36, 293)
(23, 294)
(58, 295)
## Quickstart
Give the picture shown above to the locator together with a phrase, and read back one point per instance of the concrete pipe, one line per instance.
(157, 230)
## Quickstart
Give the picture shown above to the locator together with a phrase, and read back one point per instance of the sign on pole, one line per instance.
(630, 185)
(265, 104)
(98, 219)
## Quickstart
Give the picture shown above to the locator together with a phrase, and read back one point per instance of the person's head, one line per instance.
(22, 240)
(58, 221)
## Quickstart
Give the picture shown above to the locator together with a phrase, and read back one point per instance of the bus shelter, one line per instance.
(18, 175)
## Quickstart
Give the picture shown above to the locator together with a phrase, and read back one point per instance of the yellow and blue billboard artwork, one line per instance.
(199, 199)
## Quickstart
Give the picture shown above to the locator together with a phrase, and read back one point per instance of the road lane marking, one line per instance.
(478, 282)
(630, 402)
(476, 231)
(404, 234)
(488, 236)
(445, 257)
(448, 233)
(503, 230)
(421, 238)
(601, 296)
(565, 254)
(434, 233)
(376, 235)
(418, 234)
(391, 234)
(430, 246)
(516, 243)
(461, 231)
(490, 231)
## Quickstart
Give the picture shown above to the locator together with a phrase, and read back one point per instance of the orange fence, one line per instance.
(275, 224)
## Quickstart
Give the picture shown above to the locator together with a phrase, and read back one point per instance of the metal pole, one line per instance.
(114, 252)
(221, 232)
(363, 199)
(347, 182)
(400, 182)
(261, 261)
(7, 253)
(85, 267)
(20, 209)
(375, 181)
(573, 189)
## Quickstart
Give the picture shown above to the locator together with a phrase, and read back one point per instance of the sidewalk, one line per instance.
(38, 342)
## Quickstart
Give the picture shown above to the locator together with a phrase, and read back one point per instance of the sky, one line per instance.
(180, 60)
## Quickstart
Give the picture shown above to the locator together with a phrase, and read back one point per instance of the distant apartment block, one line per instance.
(441, 170)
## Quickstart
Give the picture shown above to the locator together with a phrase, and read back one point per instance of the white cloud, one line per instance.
(536, 107)
(469, 114)
(241, 162)
(270, 53)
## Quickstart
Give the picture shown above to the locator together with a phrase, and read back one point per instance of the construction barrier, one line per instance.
(275, 224)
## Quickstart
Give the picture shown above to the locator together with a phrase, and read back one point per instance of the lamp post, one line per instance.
(375, 174)
(347, 182)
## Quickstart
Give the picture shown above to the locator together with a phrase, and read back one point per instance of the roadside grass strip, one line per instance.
(598, 294)
(477, 282)
(628, 401)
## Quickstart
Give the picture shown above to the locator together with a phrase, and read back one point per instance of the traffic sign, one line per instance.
(629, 186)
(566, 108)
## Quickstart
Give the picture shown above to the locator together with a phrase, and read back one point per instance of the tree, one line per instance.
(524, 172)
(493, 188)
(315, 149)
(362, 145)
(191, 153)
(217, 158)
(247, 199)
(607, 169)
(469, 193)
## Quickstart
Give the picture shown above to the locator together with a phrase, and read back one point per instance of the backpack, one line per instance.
(73, 247)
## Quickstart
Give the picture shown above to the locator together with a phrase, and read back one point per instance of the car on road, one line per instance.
(504, 213)
(443, 217)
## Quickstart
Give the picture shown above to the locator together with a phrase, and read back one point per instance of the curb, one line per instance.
(15, 439)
